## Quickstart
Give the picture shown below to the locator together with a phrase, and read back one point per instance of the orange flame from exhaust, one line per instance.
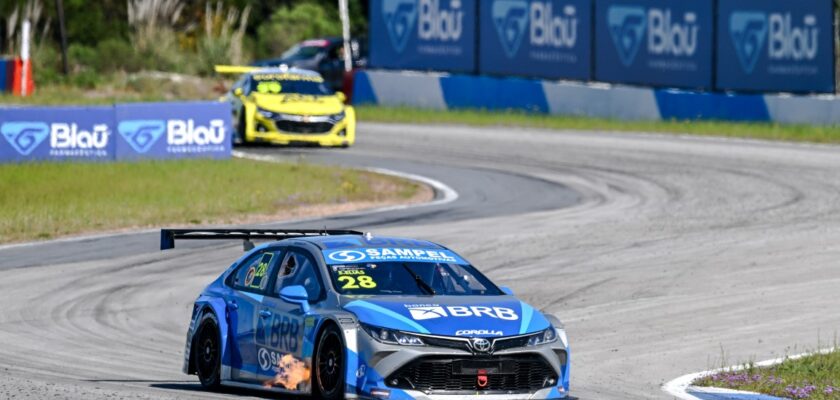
(291, 372)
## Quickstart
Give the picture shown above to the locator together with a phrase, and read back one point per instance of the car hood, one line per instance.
(299, 104)
(474, 316)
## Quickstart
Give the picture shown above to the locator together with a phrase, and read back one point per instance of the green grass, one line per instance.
(45, 200)
(815, 377)
(799, 133)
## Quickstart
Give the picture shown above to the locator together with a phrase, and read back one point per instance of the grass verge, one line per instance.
(798, 133)
(46, 200)
(815, 377)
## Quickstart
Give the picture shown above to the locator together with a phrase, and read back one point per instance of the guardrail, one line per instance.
(115, 133)
(707, 45)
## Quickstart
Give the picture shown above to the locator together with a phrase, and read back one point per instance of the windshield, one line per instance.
(301, 53)
(288, 84)
(411, 278)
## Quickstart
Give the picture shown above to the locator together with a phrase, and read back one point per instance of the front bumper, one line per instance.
(378, 368)
(313, 130)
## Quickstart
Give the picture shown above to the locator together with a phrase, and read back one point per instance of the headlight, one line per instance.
(391, 336)
(547, 336)
(265, 113)
(337, 117)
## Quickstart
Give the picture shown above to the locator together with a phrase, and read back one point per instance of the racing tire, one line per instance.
(241, 127)
(208, 352)
(329, 365)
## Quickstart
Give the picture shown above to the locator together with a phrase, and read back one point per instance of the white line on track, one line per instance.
(448, 195)
(679, 386)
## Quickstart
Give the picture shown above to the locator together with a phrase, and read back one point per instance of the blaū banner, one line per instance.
(655, 42)
(536, 38)
(173, 130)
(57, 134)
(775, 45)
(423, 34)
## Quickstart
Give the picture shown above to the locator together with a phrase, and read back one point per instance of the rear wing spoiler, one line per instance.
(168, 236)
(235, 69)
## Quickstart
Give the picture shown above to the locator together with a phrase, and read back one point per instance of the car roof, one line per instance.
(331, 242)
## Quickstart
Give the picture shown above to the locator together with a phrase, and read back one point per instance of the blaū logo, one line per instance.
(400, 19)
(141, 134)
(627, 26)
(511, 20)
(748, 30)
(24, 137)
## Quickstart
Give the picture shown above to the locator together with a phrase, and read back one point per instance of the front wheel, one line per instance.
(208, 352)
(329, 365)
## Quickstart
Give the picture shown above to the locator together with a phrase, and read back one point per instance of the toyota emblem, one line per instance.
(481, 345)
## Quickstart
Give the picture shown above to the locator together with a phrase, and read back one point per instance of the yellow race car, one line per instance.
(288, 106)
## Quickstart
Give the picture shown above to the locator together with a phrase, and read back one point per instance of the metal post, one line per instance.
(59, 8)
(345, 30)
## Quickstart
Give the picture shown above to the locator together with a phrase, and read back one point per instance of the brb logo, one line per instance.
(512, 18)
(666, 36)
(421, 312)
(433, 21)
(24, 137)
(750, 30)
(141, 135)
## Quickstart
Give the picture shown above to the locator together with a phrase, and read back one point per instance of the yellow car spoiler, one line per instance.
(235, 69)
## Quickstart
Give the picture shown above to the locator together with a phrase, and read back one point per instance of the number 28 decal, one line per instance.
(351, 282)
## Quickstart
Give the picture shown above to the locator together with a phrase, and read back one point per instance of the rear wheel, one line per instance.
(329, 365)
(207, 352)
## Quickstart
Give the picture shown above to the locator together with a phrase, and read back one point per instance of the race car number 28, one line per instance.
(356, 282)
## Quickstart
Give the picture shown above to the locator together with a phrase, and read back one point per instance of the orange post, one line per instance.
(22, 82)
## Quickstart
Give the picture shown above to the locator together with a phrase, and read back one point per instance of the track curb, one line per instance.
(682, 388)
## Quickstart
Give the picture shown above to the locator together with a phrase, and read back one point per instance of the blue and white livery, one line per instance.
(345, 315)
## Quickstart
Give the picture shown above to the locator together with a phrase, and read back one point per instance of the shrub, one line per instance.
(288, 26)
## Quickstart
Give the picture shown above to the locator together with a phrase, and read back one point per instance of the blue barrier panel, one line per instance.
(423, 34)
(655, 42)
(775, 45)
(536, 38)
(680, 105)
(4, 74)
(57, 134)
(464, 91)
(173, 130)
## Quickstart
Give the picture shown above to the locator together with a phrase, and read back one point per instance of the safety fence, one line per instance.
(453, 91)
(115, 133)
(706, 45)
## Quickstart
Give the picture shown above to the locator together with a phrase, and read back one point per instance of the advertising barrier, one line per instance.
(121, 132)
(775, 45)
(57, 133)
(423, 34)
(536, 38)
(655, 42)
(173, 130)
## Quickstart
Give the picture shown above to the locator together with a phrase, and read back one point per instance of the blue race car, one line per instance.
(341, 314)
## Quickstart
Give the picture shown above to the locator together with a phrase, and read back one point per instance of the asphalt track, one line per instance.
(663, 255)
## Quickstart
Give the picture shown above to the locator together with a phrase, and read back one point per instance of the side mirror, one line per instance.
(238, 92)
(296, 295)
(506, 290)
(341, 96)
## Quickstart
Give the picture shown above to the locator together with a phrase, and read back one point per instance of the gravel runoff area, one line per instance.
(657, 251)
